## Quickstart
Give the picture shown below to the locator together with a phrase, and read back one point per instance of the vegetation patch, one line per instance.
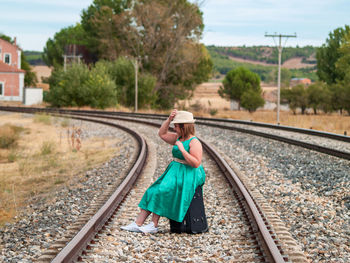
(9, 135)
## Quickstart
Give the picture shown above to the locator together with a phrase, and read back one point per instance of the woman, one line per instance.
(171, 194)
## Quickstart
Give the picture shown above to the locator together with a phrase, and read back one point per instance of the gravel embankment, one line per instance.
(48, 218)
(309, 190)
(317, 140)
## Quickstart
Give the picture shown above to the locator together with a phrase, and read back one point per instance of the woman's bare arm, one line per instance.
(164, 134)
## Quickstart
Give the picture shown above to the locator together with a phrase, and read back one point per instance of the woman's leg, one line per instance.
(142, 217)
(155, 219)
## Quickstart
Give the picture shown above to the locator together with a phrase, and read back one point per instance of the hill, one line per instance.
(263, 60)
(34, 57)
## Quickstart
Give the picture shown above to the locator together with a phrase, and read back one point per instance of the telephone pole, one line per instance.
(279, 47)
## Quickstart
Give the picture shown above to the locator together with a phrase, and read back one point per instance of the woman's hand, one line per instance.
(181, 147)
(172, 114)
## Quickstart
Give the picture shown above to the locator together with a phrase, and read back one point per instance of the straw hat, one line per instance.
(183, 117)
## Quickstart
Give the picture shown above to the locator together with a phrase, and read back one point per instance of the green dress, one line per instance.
(171, 194)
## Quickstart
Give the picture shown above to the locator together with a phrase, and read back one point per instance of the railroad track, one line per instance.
(266, 130)
(264, 243)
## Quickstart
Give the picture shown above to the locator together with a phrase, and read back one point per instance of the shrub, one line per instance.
(9, 135)
(47, 147)
(213, 112)
(42, 118)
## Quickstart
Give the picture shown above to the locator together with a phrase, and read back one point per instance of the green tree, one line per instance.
(237, 81)
(319, 97)
(337, 92)
(67, 87)
(162, 34)
(123, 74)
(54, 49)
(251, 100)
(30, 78)
(101, 88)
(328, 55)
(296, 97)
(102, 30)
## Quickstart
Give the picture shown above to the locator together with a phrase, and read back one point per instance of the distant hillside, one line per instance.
(263, 60)
(34, 58)
(268, 54)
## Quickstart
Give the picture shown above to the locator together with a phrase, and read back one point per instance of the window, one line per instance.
(2, 89)
(7, 59)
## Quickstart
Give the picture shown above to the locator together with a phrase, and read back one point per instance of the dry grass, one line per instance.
(44, 160)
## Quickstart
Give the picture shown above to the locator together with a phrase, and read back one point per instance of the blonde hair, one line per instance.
(187, 129)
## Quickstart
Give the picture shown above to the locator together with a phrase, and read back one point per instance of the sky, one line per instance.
(227, 22)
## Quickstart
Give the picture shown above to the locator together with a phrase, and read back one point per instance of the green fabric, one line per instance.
(171, 194)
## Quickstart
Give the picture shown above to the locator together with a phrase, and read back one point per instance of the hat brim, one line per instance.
(179, 121)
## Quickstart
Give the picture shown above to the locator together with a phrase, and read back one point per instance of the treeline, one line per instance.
(318, 97)
(104, 84)
(164, 47)
(268, 54)
(223, 64)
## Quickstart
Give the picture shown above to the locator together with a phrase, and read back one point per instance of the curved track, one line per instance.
(260, 227)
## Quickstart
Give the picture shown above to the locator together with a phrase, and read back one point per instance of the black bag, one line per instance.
(195, 221)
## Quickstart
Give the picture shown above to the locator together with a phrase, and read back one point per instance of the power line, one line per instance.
(279, 47)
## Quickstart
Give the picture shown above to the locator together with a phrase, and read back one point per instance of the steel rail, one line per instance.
(272, 252)
(329, 135)
(74, 248)
(310, 146)
(72, 251)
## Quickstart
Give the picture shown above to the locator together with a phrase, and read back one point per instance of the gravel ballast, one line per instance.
(309, 190)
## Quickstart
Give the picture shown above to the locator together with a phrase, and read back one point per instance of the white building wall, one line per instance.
(33, 96)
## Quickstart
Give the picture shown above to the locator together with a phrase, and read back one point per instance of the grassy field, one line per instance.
(37, 157)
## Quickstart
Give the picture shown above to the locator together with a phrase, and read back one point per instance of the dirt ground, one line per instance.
(45, 159)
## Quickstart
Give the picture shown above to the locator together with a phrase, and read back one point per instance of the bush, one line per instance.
(9, 135)
(66, 87)
(47, 148)
(42, 118)
(101, 88)
(213, 112)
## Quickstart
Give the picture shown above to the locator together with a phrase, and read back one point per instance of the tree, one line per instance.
(314, 96)
(123, 74)
(296, 98)
(237, 81)
(162, 34)
(54, 49)
(328, 54)
(102, 32)
(251, 100)
(337, 93)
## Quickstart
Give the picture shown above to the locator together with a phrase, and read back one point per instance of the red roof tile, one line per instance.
(7, 68)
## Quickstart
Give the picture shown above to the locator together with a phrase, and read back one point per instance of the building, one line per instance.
(11, 74)
(297, 81)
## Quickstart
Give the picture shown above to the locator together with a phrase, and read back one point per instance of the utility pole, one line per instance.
(279, 47)
(136, 65)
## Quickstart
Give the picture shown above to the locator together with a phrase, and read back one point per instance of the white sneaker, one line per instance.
(150, 228)
(133, 227)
